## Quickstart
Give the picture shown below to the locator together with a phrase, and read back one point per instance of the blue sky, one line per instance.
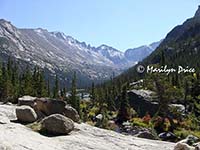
(122, 24)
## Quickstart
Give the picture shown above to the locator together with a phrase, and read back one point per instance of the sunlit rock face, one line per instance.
(19, 137)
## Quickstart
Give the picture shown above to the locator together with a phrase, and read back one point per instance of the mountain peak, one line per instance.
(7, 26)
(40, 30)
(4, 21)
(197, 14)
(60, 35)
(103, 46)
(107, 48)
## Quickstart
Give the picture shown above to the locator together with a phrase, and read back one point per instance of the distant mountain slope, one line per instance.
(114, 55)
(61, 54)
(139, 53)
(180, 47)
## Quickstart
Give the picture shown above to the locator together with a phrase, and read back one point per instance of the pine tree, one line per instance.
(15, 83)
(109, 99)
(74, 100)
(92, 94)
(64, 93)
(56, 88)
(101, 96)
(162, 58)
(48, 89)
(28, 86)
(9, 68)
(35, 77)
(124, 110)
(3, 93)
(61, 93)
(7, 90)
(21, 85)
(186, 93)
(42, 86)
(1, 81)
(73, 91)
(114, 96)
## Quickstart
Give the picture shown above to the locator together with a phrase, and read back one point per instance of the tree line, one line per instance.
(16, 82)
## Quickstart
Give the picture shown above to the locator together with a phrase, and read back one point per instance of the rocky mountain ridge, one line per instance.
(63, 54)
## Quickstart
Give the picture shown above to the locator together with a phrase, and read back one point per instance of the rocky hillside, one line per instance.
(61, 54)
(181, 45)
(15, 136)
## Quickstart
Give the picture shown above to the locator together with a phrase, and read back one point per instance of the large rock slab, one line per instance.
(5, 146)
(57, 124)
(14, 136)
(8, 112)
(26, 114)
(4, 120)
(143, 102)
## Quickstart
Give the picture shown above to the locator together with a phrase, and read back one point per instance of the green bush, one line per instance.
(139, 122)
(182, 133)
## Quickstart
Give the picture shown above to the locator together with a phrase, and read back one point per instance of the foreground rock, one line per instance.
(186, 143)
(183, 146)
(26, 114)
(71, 113)
(146, 135)
(46, 106)
(167, 136)
(137, 131)
(57, 124)
(49, 106)
(197, 146)
(14, 136)
(26, 100)
(4, 120)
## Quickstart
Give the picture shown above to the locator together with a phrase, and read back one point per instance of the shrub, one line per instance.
(190, 123)
(139, 122)
(146, 119)
(161, 124)
(183, 133)
(166, 124)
